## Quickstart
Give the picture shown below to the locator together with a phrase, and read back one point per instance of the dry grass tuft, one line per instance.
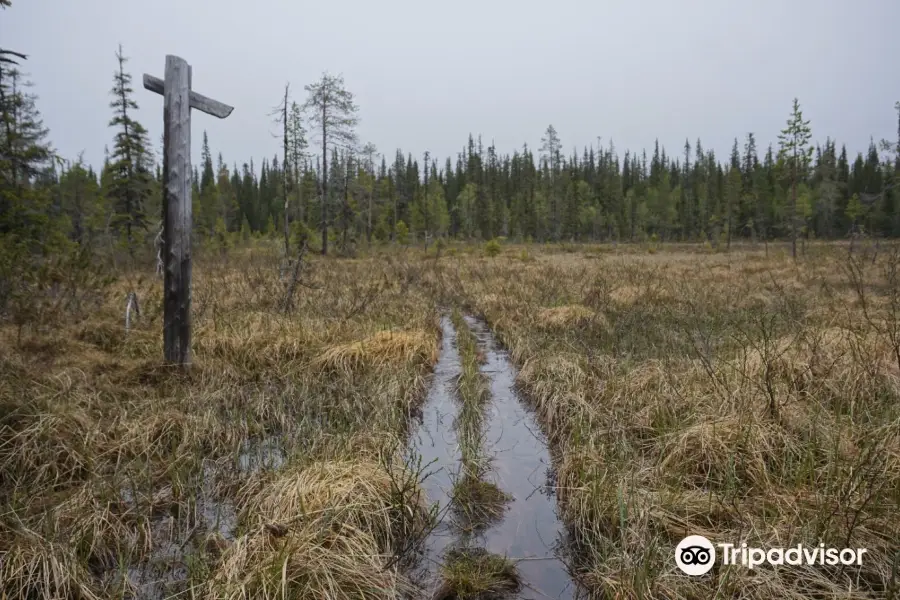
(475, 574)
(335, 561)
(34, 567)
(627, 295)
(360, 489)
(477, 503)
(574, 315)
(322, 531)
(385, 348)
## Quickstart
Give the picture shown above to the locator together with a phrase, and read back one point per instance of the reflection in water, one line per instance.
(531, 528)
(520, 464)
(434, 443)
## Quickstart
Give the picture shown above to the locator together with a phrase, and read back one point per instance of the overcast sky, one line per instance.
(425, 76)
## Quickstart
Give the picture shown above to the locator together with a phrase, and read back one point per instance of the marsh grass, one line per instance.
(122, 476)
(477, 501)
(735, 396)
(474, 394)
(476, 574)
(322, 528)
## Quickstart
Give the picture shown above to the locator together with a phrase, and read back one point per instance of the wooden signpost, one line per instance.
(178, 100)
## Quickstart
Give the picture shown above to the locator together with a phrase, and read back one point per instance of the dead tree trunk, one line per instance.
(288, 303)
(286, 175)
(324, 180)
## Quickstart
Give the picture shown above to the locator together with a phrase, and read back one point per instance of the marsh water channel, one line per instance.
(528, 530)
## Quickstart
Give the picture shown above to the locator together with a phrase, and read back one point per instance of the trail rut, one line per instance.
(529, 530)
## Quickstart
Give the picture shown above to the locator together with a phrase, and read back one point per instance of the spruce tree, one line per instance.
(750, 213)
(685, 198)
(296, 157)
(667, 209)
(826, 192)
(425, 212)
(25, 209)
(227, 209)
(80, 201)
(796, 152)
(732, 199)
(287, 180)
(24, 153)
(130, 163)
(263, 200)
(550, 151)
(208, 197)
(397, 186)
(31, 209)
(369, 182)
(465, 206)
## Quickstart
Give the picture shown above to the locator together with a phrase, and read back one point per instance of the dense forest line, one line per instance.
(546, 194)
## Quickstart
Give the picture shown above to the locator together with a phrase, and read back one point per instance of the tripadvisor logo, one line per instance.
(696, 555)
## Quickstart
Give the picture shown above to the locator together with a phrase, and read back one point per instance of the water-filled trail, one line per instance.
(435, 443)
(529, 531)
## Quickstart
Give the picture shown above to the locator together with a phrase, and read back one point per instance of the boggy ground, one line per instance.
(272, 469)
(737, 396)
(477, 499)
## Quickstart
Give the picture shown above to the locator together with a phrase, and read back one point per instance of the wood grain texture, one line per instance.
(177, 207)
(178, 100)
(198, 101)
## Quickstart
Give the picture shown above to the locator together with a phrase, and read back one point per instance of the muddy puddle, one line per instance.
(210, 527)
(529, 530)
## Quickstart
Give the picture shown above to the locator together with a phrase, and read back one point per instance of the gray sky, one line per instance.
(425, 78)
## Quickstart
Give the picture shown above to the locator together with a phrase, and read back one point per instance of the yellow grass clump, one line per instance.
(492, 300)
(360, 489)
(624, 296)
(716, 451)
(385, 348)
(475, 574)
(257, 341)
(573, 315)
(323, 531)
(34, 567)
(552, 399)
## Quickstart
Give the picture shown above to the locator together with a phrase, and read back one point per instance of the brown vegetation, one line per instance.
(737, 396)
(269, 469)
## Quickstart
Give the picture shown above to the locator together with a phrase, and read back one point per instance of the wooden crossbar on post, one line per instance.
(178, 100)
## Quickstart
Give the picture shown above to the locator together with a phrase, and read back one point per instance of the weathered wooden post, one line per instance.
(178, 100)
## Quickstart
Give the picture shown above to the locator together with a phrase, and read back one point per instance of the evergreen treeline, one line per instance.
(544, 195)
(595, 193)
